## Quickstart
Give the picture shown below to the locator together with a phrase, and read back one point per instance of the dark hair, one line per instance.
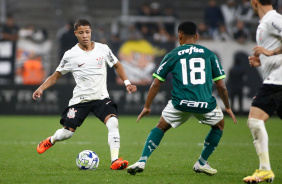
(81, 22)
(265, 2)
(188, 28)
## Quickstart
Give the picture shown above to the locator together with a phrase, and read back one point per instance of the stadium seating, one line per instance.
(52, 15)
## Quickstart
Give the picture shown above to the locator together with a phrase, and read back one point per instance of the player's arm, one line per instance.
(50, 81)
(260, 50)
(222, 91)
(274, 29)
(121, 73)
(153, 91)
(254, 61)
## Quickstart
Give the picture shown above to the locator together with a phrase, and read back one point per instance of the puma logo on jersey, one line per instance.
(81, 65)
(161, 67)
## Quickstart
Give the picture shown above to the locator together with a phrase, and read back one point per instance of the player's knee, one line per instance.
(163, 125)
(112, 124)
(254, 123)
(219, 125)
(69, 128)
(62, 134)
(110, 116)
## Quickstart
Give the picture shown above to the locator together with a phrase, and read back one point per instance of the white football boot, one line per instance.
(198, 168)
(138, 167)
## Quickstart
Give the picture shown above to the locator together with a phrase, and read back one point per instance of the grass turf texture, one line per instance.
(171, 163)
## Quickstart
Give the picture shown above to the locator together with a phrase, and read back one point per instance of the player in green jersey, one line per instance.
(193, 68)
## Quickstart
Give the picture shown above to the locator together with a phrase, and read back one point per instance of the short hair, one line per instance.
(188, 28)
(81, 22)
(265, 2)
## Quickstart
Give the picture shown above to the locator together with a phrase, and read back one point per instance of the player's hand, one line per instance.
(229, 111)
(131, 88)
(260, 50)
(254, 61)
(37, 94)
(145, 112)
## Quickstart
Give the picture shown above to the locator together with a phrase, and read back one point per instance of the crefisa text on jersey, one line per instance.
(194, 103)
(191, 50)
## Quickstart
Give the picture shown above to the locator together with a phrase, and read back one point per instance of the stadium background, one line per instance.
(110, 16)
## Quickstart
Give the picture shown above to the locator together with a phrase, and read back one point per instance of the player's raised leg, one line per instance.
(60, 135)
(44, 145)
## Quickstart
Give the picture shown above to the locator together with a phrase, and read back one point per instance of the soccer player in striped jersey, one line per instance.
(193, 68)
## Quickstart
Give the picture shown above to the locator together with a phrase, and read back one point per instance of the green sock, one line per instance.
(152, 143)
(210, 144)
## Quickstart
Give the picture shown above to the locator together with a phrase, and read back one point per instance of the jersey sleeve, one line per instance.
(65, 65)
(217, 70)
(163, 70)
(111, 58)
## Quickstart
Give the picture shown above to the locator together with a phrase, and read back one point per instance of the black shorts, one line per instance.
(73, 116)
(269, 99)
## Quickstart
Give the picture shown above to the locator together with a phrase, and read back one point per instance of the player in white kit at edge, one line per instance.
(268, 55)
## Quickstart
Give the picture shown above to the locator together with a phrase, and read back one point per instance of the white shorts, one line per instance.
(176, 117)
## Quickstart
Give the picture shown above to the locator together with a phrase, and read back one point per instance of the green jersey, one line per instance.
(193, 68)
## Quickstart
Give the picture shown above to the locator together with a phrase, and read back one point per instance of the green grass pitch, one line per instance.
(171, 162)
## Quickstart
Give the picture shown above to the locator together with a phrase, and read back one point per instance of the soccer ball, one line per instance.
(87, 160)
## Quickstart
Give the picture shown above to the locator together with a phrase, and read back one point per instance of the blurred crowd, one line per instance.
(159, 31)
(228, 21)
(31, 53)
(231, 20)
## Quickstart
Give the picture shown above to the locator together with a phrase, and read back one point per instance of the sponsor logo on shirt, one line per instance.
(110, 57)
(190, 51)
(275, 26)
(64, 62)
(194, 104)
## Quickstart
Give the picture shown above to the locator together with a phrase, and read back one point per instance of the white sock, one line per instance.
(260, 137)
(61, 134)
(113, 137)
